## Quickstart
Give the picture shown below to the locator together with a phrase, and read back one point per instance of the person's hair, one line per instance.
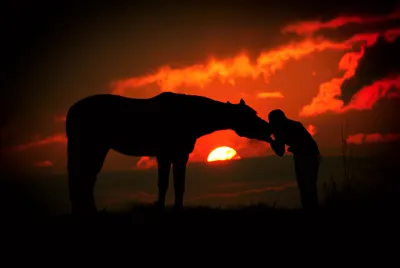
(276, 115)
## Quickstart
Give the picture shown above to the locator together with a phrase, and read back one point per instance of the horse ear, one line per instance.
(242, 102)
(228, 102)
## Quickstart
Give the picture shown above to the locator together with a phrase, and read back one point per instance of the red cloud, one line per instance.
(146, 162)
(45, 163)
(369, 95)
(268, 62)
(266, 95)
(312, 130)
(327, 97)
(310, 27)
(391, 34)
(240, 66)
(361, 138)
(231, 185)
(57, 138)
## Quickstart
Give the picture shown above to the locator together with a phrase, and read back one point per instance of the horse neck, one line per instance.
(216, 118)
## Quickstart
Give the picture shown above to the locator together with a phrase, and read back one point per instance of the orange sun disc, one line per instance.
(222, 153)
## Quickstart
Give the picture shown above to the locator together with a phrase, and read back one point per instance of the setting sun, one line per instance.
(222, 153)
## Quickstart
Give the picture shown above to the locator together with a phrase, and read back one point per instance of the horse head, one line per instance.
(246, 123)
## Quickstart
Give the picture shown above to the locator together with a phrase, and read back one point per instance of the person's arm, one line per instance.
(278, 146)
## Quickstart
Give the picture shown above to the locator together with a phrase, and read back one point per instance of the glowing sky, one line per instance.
(298, 65)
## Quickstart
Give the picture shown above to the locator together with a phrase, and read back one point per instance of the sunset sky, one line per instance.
(290, 57)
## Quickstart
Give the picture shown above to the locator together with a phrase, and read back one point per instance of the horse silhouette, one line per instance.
(165, 126)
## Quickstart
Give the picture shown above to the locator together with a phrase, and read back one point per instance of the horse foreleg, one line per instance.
(164, 167)
(179, 173)
(83, 166)
(81, 195)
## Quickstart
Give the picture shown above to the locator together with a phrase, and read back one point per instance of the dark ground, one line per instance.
(344, 205)
(252, 215)
(341, 206)
(350, 222)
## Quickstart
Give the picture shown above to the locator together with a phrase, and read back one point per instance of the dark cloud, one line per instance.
(380, 61)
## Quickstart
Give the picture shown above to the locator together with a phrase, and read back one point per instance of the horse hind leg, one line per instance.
(84, 164)
(164, 168)
(179, 164)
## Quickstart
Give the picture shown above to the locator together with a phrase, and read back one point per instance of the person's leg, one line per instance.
(309, 196)
(307, 175)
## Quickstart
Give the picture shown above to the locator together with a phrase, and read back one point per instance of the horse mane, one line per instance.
(251, 110)
(203, 99)
(196, 98)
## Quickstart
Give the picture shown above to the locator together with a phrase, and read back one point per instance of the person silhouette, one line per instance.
(305, 152)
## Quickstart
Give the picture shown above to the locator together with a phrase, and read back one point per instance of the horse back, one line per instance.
(127, 123)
